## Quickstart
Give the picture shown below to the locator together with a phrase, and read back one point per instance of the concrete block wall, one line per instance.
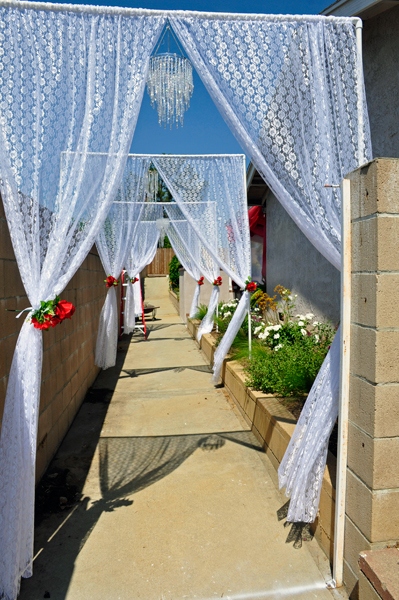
(372, 519)
(68, 360)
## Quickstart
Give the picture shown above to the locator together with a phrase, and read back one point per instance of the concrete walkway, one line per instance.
(178, 500)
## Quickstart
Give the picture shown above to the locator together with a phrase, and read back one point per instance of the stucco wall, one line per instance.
(381, 73)
(187, 287)
(293, 262)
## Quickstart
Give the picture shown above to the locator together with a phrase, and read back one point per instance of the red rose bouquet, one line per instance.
(250, 286)
(200, 281)
(52, 313)
(218, 281)
(110, 281)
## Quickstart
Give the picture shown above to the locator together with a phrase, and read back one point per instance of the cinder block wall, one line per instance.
(68, 361)
(372, 519)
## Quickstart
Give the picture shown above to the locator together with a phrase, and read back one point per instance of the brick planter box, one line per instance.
(273, 425)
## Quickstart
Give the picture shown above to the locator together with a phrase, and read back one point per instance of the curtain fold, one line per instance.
(295, 101)
(194, 257)
(142, 252)
(68, 113)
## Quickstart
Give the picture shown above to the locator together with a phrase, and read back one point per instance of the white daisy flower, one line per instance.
(315, 323)
(301, 323)
(227, 314)
(276, 336)
(316, 337)
(278, 347)
(309, 316)
(304, 332)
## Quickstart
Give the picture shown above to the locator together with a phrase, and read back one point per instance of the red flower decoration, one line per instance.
(134, 280)
(64, 310)
(200, 281)
(110, 281)
(37, 325)
(251, 286)
(51, 313)
(218, 281)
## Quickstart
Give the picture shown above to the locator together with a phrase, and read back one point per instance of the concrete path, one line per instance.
(179, 500)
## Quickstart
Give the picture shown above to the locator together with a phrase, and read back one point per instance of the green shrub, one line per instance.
(289, 368)
(174, 267)
(201, 312)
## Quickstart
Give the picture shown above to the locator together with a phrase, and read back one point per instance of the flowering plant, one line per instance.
(200, 281)
(110, 281)
(133, 280)
(218, 281)
(250, 286)
(51, 313)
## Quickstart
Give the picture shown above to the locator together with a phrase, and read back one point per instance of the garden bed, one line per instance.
(273, 424)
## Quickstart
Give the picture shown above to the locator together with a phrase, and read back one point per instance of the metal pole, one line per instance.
(121, 318)
(342, 455)
(249, 328)
(360, 99)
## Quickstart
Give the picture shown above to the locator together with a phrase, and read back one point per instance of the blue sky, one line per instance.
(204, 130)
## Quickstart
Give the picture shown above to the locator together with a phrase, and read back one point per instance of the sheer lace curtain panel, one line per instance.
(210, 191)
(188, 253)
(295, 101)
(114, 243)
(142, 251)
(194, 257)
(70, 84)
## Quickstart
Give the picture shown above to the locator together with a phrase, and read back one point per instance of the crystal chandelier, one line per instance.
(170, 84)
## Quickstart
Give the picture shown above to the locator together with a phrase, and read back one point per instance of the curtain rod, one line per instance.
(150, 156)
(138, 12)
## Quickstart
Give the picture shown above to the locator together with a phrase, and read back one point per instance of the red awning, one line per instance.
(257, 221)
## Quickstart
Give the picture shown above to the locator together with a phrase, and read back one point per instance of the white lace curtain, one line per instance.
(70, 84)
(292, 92)
(201, 187)
(142, 252)
(195, 258)
(113, 243)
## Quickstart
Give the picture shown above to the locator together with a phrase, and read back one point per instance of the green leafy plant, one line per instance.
(286, 354)
(201, 312)
(174, 267)
(166, 242)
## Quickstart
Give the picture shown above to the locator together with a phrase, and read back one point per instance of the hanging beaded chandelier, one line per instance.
(170, 84)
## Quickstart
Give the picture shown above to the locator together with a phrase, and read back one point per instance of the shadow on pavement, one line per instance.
(299, 532)
(126, 466)
(149, 371)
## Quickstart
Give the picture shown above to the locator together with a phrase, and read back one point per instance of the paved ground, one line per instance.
(178, 500)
